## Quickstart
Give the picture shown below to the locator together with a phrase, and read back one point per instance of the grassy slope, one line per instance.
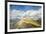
(25, 23)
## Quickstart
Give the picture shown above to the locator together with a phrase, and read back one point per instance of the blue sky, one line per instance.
(24, 7)
(24, 10)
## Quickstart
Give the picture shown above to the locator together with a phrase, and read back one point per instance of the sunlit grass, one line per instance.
(27, 22)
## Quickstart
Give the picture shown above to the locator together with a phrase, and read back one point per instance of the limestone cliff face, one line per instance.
(27, 23)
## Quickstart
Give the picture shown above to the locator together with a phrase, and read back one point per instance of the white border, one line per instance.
(29, 29)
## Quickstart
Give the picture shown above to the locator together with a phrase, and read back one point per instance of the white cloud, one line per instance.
(34, 14)
(16, 13)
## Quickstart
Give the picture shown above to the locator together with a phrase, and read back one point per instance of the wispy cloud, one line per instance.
(19, 11)
(31, 13)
